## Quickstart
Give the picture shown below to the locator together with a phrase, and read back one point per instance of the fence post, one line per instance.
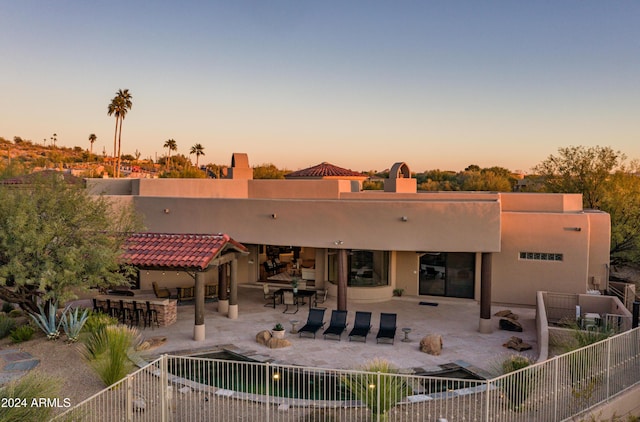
(608, 366)
(378, 397)
(164, 389)
(129, 399)
(487, 388)
(555, 389)
(636, 314)
(267, 381)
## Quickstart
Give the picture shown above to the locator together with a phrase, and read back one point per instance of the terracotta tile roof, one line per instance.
(176, 250)
(324, 170)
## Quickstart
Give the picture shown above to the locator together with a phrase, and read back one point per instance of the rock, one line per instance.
(185, 390)
(507, 314)
(139, 405)
(509, 324)
(263, 337)
(278, 343)
(431, 344)
(516, 343)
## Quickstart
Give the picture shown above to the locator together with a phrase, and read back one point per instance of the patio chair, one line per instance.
(161, 292)
(314, 322)
(337, 324)
(321, 297)
(361, 326)
(387, 330)
(269, 297)
(290, 300)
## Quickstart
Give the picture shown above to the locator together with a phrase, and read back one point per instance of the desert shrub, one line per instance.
(107, 352)
(32, 386)
(7, 307)
(6, 325)
(22, 333)
(98, 321)
(364, 386)
(15, 313)
(519, 385)
(72, 323)
(47, 320)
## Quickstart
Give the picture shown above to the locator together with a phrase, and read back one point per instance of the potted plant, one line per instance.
(294, 284)
(278, 331)
(398, 292)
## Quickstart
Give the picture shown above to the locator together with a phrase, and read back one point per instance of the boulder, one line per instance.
(139, 405)
(431, 344)
(278, 343)
(506, 314)
(509, 324)
(263, 337)
(516, 343)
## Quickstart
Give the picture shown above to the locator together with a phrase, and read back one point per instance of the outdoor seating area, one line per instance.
(338, 324)
(136, 310)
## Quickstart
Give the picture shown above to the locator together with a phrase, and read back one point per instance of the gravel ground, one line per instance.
(63, 361)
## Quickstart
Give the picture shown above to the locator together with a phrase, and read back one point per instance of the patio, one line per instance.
(455, 320)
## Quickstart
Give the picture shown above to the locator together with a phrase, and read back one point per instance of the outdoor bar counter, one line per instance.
(167, 308)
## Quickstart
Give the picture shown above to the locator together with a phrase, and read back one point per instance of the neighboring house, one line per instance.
(498, 247)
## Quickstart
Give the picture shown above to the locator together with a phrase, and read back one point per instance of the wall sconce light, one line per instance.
(178, 273)
(573, 229)
(274, 216)
(251, 261)
(338, 242)
(167, 210)
(163, 273)
(404, 218)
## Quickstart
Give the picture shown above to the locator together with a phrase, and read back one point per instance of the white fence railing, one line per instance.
(175, 388)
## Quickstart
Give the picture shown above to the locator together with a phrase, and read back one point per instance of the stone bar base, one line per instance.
(167, 308)
(233, 312)
(223, 306)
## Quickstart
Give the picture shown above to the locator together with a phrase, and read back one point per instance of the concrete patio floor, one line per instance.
(455, 320)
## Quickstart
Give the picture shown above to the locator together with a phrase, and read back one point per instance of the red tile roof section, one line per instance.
(324, 170)
(176, 250)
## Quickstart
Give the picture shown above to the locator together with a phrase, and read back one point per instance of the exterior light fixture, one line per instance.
(404, 218)
(573, 229)
(274, 216)
(338, 242)
(167, 210)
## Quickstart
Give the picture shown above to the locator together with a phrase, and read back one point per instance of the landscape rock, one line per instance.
(516, 343)
(278, 343)
(151, 342)
(431, 344)
(509, 324)
(263, 337)
(139, 405)
(507, 314)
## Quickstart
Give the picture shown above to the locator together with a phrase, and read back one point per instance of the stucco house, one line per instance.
(490, 247)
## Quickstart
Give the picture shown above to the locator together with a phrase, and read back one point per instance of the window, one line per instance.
(366, 268)
(541, 256)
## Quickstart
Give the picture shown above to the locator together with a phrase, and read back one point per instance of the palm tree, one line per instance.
(92, 139)
(172, 146)
(198, 150)
(120, 105)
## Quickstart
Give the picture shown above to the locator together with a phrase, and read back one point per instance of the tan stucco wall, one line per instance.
(599, 249)
(516, 281)
(407, 272)
(298, 189)
(541, 202)
(445, 226)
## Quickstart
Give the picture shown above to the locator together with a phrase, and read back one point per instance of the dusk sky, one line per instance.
(359, 84)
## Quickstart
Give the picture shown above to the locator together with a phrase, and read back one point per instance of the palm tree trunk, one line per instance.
(119, 144)
(115, 137)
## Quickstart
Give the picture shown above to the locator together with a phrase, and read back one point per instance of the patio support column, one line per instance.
(485, 295)
(342, 279)
(198, 328)
(223, 300)
(233, 296)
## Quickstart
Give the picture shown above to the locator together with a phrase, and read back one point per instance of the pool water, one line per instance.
(231, 371)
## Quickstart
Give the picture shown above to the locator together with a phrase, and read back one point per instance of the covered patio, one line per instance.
(196, 255)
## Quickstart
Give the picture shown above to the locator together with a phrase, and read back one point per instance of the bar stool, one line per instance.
(111, 311)
(96, 307)
(134, 314)
(123, 312)
(151, 315)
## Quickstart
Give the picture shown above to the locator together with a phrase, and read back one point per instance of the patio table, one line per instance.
(302, 293)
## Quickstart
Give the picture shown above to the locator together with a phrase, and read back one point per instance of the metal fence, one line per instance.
(175, 388)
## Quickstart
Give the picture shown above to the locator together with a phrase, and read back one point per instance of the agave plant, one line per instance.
(47, 321)
(72, 323)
